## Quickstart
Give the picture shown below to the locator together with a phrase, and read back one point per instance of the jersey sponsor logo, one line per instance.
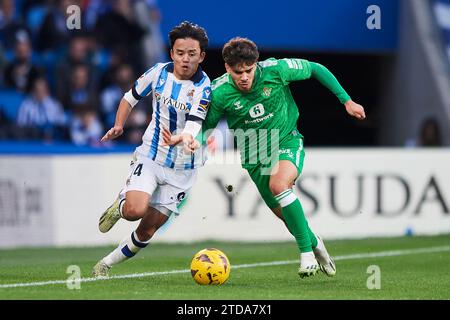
(258, 120)
(257, 111)
(237, 105)
(267, 91)
(171, 102)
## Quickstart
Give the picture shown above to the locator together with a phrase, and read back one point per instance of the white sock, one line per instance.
(121, 204)
(126, 249)
(307, 258)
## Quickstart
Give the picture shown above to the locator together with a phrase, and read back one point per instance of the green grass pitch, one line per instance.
(410, 268)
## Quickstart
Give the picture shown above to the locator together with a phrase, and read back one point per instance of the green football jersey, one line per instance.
(262, 117)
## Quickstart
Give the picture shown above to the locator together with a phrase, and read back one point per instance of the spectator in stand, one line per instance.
(21, 72)
(430, 134)
(118, 29)
(10, 23)
(117, 59)
(111, 96)
(40, 116)
(53, 33)
(78, 53)
(85, 127)
(93, 9)
(148, 16)
(80, 90)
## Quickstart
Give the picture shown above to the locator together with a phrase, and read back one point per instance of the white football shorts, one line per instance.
(167, 187)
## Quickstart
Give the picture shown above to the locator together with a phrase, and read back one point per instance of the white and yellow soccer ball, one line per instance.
(210, 266)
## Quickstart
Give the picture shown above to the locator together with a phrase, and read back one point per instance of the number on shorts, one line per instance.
(138, 170)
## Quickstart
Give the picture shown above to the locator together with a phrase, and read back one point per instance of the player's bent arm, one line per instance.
(123, 112)
(326, 78)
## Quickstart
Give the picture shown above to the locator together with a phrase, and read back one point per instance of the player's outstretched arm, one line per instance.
(121, 117)
(327, 79)
(355, 110)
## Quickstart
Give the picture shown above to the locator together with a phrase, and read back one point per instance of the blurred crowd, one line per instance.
(63, 84)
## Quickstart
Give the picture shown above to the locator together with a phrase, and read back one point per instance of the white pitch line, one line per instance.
(381, 254)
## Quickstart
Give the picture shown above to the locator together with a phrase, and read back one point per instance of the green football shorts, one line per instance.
(291, 149)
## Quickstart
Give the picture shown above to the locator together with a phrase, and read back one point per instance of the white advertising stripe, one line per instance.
(345, 193)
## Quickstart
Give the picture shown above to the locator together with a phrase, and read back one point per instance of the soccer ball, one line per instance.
(210, 266)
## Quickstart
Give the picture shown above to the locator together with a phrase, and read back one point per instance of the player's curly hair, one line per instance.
(191, 30)
(240, 51)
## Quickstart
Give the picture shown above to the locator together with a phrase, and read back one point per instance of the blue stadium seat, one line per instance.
(102, 59)
(35, 18)
(10, 101)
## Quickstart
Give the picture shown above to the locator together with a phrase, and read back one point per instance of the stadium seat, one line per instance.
(10, 101)
(35, 18)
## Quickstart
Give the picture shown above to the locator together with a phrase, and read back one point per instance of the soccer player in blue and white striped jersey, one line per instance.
(161, 175)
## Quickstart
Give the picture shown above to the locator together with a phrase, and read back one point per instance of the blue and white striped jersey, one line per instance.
(174, 102)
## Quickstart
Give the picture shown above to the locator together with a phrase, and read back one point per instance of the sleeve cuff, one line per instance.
(192, 128)
(130, 98)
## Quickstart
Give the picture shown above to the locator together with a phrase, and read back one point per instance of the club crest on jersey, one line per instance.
(191, 93)
(267, 91)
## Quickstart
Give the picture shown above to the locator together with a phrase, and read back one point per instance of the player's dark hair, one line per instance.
(240, 51)
(191, 30)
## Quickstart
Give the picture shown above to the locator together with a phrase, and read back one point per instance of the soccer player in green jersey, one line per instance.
(256, 100)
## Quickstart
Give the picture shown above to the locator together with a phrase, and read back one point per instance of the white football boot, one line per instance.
(110, 217)
(100, 270)
(326, 263)
(308, 265)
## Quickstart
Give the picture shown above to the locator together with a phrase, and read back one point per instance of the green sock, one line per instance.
(311, 234)
(295, 220)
